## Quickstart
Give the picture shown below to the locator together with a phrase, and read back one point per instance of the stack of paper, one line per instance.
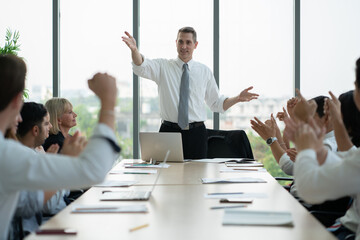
(233, 180)
(109, 209)
(267, 218)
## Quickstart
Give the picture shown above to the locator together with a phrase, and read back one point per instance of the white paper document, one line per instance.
(255, 164)
(134, 171)
(114, 183)
(233, 180)
(139, 208)
(263, 218)
(223, 160)
(234, 195)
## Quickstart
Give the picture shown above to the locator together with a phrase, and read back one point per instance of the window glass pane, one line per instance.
(91, 42)
(35, 29)
(160, 22)
(256, 49)
(330, 40)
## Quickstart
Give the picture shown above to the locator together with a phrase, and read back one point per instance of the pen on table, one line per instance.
(138, 227)
(230, 193)
(235, 206)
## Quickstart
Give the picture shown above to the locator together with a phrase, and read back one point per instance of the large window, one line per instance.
(90, 42)
(330, 40)
(33, 20)
(160, 22)
(256, 49)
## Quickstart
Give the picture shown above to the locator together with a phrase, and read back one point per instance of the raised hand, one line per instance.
(290, 105)
(74, 145)
(291, 152)
(104, 86)
(265, 130)
(54, 148)
(130, 41)
(282, 115)
(332, 108)
(246, 96)
(304, 110)
(290, 128)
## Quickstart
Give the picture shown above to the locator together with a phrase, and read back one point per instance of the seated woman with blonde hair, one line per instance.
(62, 118)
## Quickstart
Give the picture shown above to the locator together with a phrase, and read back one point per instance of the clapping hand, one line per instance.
(74, 145)
(282, 115)
(332, 108)
(304, 110)
(265, 130)
(291, 152)
(54, 148)
(290, 105)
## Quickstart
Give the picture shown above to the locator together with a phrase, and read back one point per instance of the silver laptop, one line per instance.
(132, 195)
(154, 145)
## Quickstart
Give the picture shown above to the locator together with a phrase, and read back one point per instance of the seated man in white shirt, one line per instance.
(32, 132)
(21, 168)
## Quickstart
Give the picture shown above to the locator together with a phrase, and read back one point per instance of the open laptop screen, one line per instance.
(154, 145)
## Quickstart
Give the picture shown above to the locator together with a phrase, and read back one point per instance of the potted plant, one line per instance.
(12, 47)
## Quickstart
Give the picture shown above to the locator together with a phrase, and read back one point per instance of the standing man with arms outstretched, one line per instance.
(183, 85)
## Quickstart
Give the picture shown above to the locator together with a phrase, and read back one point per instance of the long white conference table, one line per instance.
(177, 209)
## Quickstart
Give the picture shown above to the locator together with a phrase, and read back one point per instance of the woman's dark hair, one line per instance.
(320, 100)
(351, 116)
(12, 78)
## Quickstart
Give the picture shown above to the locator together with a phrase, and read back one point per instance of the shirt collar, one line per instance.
(180, 63)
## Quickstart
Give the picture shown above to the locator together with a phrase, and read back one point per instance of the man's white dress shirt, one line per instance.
(166, 73)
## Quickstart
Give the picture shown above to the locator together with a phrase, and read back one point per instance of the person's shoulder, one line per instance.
(53, 139)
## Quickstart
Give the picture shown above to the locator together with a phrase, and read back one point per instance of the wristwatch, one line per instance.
(270, 140)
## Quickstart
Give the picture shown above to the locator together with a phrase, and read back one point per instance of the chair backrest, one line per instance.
(228, 144)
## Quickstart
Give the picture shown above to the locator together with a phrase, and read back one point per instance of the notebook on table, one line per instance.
(154, 145)
(132, 195)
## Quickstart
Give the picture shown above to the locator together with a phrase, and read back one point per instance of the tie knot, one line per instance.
(185, 66)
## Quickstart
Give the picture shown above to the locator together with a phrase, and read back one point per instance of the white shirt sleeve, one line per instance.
(213, 99)
(22, 168)
(286, 164)
(335, 178)
(150, 69)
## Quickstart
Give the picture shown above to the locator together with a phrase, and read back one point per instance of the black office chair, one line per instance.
(228, 144)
